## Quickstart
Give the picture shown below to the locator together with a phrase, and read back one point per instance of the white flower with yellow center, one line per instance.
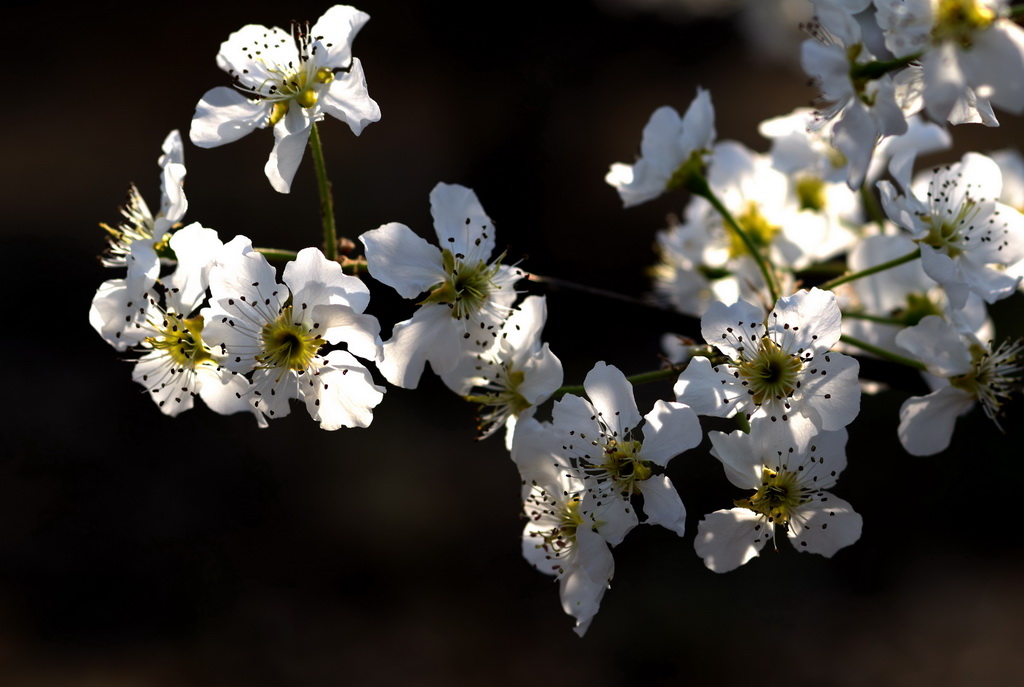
(280, 334)
(287, 81)
(790, 495)
(469, 297)
(672, 147)
(966, 236)
(139, 222)
(165, 327)
(967, 48)
(962, 371)
(562, 536)
(620, 455)
(781, 374)
(518, 373)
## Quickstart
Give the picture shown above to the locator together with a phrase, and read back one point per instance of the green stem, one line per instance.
(556, 283)
(642, 378)
(698, 185)
(326, 197)
(879, 68)
(853, 276)
(882, 353)
(875, 318)
(277, 254)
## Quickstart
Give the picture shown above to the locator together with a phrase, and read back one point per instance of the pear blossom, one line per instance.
(176, 365)
(865, 109)
(139, 222)
(279, 333)
(469, 295)
(619, 454)
(287, 81)
(790, 495)
(671, 148)
(781, 374)
(965, 234)
(962, 371)
(967, 48)
(561, 536)
(515, 375)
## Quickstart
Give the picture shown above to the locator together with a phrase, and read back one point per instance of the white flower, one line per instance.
(289, 82)
(790, 495)
(139, 222)
(963, 371)
(515, 375)
(469, 296)
(280, 334)
(561, 536)
(669, 148)
(782, 374)
(865, 108)
(970, 49)
(603, 440)
(176, 365)
(964, 233)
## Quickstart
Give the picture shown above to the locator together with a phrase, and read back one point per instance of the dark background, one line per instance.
(140, 550)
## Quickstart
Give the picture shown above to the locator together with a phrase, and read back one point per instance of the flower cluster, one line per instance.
(825, 246)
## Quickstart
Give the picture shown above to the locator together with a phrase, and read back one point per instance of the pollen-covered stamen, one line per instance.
(621, 468)
(138, 225)
(287, 344)
(283, 84)
(565, 516)
(996, 376)
(180, 338)
(779, 495)
(960, 20)
(770, 372)
(468, 286)
(499, 399)
(949, 228)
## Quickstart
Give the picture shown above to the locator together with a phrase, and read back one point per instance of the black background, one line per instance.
(137, 549)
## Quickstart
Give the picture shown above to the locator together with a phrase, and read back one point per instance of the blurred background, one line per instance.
(139, 550)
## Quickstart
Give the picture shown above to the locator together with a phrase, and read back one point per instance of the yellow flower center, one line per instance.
(779, 495)
(771, 373)
(623, 465)
(288, 345)
(181, 339)
(301, 87)
(960, 20)
(468, 285)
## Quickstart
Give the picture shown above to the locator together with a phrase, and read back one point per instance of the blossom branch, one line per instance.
(277, 254)
(642, 378)
(698, 185)
(326, 196)
(557, 283)
(883, 353)
(853, 276)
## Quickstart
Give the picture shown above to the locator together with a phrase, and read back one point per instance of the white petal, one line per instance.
(430, 335)
(824, 525)
(662, 504)
(669, 429)
(726, 539)
(461, 224)
(612, 396)
(343, 393)
(346, 98)
(396, 256)
(927, 422)
(289, 145)
(224, 115)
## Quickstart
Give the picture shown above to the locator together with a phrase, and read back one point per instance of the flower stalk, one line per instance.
(326, 195)
(882, 267)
